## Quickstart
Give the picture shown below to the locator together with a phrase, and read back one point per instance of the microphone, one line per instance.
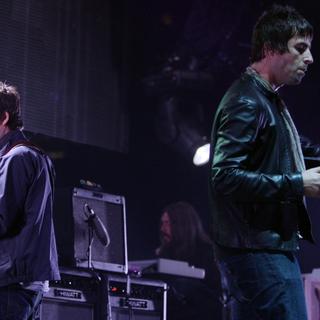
(97, 225)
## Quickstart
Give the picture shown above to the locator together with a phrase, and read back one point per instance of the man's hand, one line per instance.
(311, 182)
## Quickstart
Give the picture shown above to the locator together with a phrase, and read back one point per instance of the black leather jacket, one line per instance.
(256, 192)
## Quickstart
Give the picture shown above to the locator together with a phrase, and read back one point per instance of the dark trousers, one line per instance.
(262, 286)
(17, 303)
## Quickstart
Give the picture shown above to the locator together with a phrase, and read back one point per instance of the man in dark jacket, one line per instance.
(28, 257)
(258, 176)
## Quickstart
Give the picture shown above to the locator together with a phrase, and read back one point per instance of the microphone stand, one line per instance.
(89, 250)
(95, 225)
(90, 240)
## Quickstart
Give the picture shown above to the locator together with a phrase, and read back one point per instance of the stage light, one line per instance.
(202, 155)
(181, 133)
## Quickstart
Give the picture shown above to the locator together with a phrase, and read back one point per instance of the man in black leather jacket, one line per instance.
(258, 177)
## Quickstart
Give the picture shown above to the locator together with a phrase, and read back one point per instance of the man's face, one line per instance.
(290, 67)
(4, 129)
(165, 228)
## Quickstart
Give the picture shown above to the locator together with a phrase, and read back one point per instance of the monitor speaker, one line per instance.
(73, 230)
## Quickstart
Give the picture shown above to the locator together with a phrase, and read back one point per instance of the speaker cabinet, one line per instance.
(52, 309)
(72, 230)
(76, 296)
(138, 299)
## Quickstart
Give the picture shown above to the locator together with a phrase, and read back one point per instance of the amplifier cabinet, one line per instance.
(75, 296)
(136, 298)
(72, 230)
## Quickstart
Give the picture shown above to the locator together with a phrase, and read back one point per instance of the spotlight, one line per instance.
(202, 155)
(182, 88)
(181, 133)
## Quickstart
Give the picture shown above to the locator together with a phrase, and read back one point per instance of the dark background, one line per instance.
(83, 69)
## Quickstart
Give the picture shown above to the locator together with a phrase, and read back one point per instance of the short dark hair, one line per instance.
(275, 28)
(10, 102)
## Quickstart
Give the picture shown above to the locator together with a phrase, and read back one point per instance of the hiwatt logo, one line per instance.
(69, 294)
